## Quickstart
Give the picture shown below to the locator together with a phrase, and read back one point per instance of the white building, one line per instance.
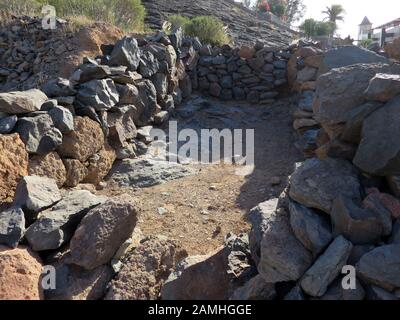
(383, 34)
(365, 30)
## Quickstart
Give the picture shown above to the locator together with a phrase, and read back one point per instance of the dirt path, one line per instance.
(198, 211)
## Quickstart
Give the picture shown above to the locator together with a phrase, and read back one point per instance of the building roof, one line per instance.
(365, 22)
(390, 24)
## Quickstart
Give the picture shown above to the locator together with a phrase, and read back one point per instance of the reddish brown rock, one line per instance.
(85, 141)
(20, 275)
(388, 201)
(13, 165)
(50, 166)
(100, 164)
(145, 271)
(246, 52)
(75, 172)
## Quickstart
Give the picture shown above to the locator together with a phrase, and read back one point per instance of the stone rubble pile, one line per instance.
(31, 55)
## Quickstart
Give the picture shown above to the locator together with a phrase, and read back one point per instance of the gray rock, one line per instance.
(357, 252)
(161, 117)
(295, 294)
(12, 226)
(20, 102)
(348, 55)
(360, 226)
(207, 270)
(160, 82)
(99, 94)
(377, 293)
(383, 87)
(283, 257)
(7, 124)
(352, 130)
(258, 222)
(394, 185)
(310, 228)
(102, 231)
(316, 183)
(57, 225)
(58, 87)
(395, 238)
(280, 64)
(336, 292)
(176, 38)
(148, 64)
(227, 82)
(307, 74)
(76, 283)
(255, 289)
(92, 71)
(144, 173)
(381, 267)
(326, 268)
(342, 90)
(379, 150)
(62, 118)
(33, 194)
(126, 53)
(121, 125)
(39, 134)
(215, 89)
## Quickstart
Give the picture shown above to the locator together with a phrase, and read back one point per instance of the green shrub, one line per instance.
(127, 14)
(208, 29)
(21, 7)
(177, 21)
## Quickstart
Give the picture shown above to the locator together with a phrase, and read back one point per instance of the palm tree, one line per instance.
(334, 13)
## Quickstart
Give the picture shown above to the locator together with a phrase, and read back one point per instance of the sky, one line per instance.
(377, 11)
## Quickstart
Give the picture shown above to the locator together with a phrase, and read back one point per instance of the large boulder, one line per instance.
(144, 173)
(353, 128)
(310, 228)
(13, 165)
(316, 183)
(378, 152)
(20, 102)
(326, 268)
(102, 231)
(49, 165)
(35, 194)
(144, 271)
(348, 55)
(12, 227)
(57, 225)
(20, 275)
(148, 64)
(86, 140)
(283, 257)
(39, 134)
(99, 94)
(381, 267)
(342, 90)
(126, 53)
(383, 87)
